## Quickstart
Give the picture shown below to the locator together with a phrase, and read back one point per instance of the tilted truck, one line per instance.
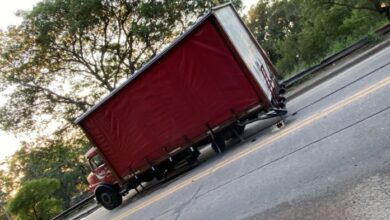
(204, 88)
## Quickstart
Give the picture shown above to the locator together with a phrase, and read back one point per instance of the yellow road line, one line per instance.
(263, 143)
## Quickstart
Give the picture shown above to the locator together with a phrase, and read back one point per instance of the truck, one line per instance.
(203, 88)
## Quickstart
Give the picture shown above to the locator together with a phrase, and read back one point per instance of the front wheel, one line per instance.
(109, 198)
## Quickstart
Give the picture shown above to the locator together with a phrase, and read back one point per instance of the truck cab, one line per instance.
(102, 182)
(100, 173)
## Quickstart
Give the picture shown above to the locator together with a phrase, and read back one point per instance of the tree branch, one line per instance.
(93, 72)
(53, 96)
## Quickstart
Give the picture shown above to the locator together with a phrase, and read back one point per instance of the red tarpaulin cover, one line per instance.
(196, 83)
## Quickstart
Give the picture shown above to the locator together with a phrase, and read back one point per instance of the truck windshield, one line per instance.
(96, 161)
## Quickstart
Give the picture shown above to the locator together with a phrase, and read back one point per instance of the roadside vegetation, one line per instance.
(67, 54)
(300, 33)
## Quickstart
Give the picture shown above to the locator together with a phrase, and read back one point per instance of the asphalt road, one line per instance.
(330, 161)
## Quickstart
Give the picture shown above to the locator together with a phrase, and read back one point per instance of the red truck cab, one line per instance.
(100, 173)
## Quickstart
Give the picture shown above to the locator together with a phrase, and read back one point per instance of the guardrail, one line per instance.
(75, 207)
(333, 58)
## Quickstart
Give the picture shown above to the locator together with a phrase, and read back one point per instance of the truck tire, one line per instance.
(108, 197)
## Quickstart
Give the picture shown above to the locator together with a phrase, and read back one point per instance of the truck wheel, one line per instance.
(108, 197)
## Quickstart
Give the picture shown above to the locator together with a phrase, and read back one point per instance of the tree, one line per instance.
(53, 158)
(274, 21)
(299, 33)
(67, 54)
(35, 200)
(6, 185)
(328, 28)
(377, 6)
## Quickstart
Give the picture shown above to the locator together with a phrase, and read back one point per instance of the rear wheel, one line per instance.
(109, 198)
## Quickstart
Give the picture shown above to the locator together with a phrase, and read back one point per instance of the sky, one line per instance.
(8, 9)
(248, 4)
(8, 142)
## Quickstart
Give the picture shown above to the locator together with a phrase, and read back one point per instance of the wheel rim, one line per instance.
(106, 198)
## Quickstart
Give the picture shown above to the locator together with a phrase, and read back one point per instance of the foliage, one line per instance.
(35, 200)
(6, 186)
(53, 158)
(67, 54)
(299, 33)
(272, 22)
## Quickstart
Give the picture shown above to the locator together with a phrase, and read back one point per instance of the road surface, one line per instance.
(330, 161)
